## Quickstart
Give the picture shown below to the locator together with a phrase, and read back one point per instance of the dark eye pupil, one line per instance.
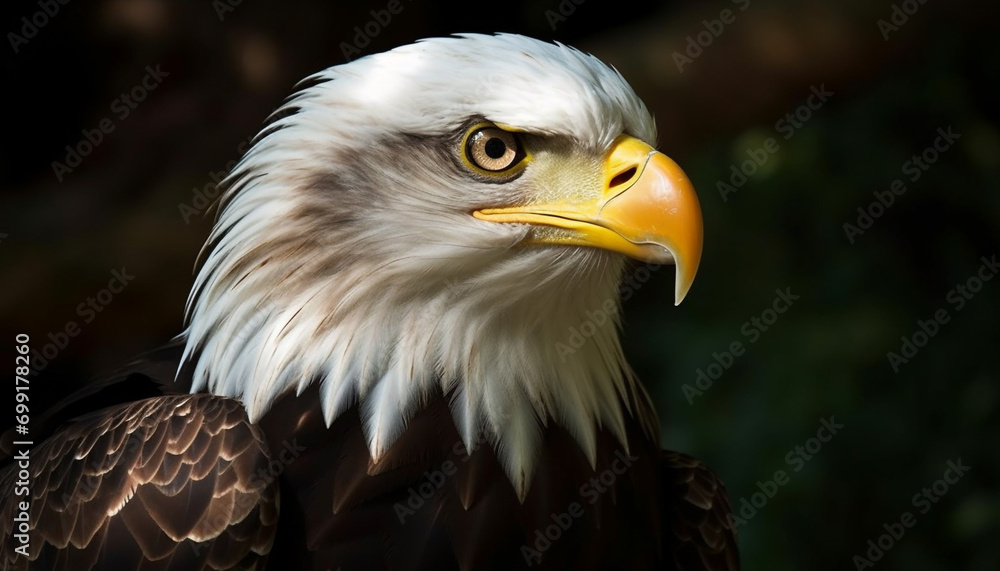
(495, 148)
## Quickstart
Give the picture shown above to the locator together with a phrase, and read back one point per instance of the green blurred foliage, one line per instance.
(827, 355)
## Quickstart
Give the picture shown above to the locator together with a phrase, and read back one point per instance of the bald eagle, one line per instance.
(377, 371)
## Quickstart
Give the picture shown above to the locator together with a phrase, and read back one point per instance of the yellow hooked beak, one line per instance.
(646, 209)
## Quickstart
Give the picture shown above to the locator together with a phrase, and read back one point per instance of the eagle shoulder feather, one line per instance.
(174, 479)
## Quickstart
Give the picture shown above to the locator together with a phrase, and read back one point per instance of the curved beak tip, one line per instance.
(682, 284)
(674, 208)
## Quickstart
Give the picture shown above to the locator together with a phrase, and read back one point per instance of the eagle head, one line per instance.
(438, 219)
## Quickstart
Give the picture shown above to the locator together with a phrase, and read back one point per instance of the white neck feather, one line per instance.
(504, 354)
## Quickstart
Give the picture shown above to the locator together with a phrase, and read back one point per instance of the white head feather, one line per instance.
(345, 253)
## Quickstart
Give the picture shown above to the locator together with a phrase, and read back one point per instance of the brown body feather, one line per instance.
(165, 483)
(201, 473)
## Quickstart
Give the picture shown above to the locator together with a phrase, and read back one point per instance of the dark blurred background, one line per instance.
(891, 73)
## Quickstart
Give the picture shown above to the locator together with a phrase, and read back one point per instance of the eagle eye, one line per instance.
(492, 149)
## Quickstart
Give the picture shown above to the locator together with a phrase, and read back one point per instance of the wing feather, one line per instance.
(699, 533)
(169, 479)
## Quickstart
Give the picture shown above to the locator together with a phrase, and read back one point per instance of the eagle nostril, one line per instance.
(622, 177)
